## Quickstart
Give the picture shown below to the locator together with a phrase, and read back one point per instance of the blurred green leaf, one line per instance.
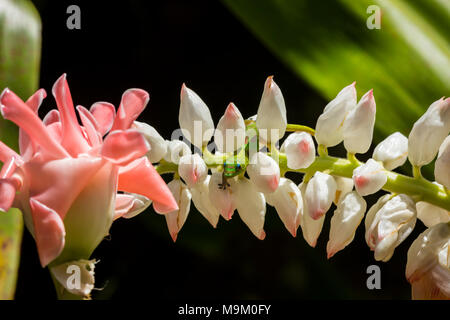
(328, 44)
(20, 49)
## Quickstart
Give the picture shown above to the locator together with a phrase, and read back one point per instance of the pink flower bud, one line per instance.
(221, 196)
(230, 132)
(195, 118)
(346, 218)
(264, 172)
(392, 151)
(358, 126)
(311, 228)
(429, 132)
(271, 117)
(192, 169)
(369, 177)
(300, 150)
(329, 126)
(319, 195)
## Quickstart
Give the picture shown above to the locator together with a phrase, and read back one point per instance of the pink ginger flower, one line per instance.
(67, 175)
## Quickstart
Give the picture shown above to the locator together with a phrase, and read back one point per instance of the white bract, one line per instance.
(428, 266)
(158, 146)
(329, 126)
(346, 218)
(359, 124)
(264, 172)
(192, 169)
(369, 177)
(442, 164)
(319, 195)
(201, 200)
(195, 118)
(250, 204)
(310, 228)
(300, 150)
(392, 151)
(176, 219)
(230, 132)
(271, 117)
(287, 200)
(221, 197)
(390, 225)
(429, 132)
(175, 150)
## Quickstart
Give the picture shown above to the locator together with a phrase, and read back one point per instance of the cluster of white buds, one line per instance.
(247, 171)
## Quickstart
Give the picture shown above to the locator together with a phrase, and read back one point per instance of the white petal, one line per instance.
(195, 118)
(392, 151)
(158, 146)
(221, 197)
(390, 226)
(431, 215)
(329, 127)
(288, 202)
(343, 186)
(429, 132)
(132, 205)
(300, 150)
(201, 200)
(264, 172)
(346, 218)
(250, 205)
(319, 194)
(369, 177)
(77, 277)
(192, 169)
(442, 164)
(175, 150)
(311, 228)
(271, 117)
(230, 132)
(358, 126)
(428, 266)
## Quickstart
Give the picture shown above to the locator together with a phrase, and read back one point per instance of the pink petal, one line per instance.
(72, 139)
(90, 124)
(7, 153)
(132, 104)
(122, 147)
(124, 202)
(142, 178)
(104, 113)
(51, 117)
(35, 101)
(14, 109)
(7, 194)
(48, 230)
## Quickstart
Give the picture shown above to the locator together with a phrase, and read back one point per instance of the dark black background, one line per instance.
(156, 46)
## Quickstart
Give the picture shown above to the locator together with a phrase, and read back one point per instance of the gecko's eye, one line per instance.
(238, 166)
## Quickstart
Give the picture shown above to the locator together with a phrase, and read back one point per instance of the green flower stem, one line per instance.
(298, 127)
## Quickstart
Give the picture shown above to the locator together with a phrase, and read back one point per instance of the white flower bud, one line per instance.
(429, 132)
(343, 186)
(80, 286)
(288, 202)
(311, 228)
(329, 126)
(369, 177)
(195, 118)
(230, 132)
(431, 215)
(390, 225)
(346, 218)
(176, 219)
(158, 146)
(300, 150)
(192, 169)
(271, 117)
(319, 194)
(442, 164)
(220, 195)
(201, 200)
(264, 172)
(428, 266)
(175, 150)
(392, 151)
(250, 205)
(358, 126)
